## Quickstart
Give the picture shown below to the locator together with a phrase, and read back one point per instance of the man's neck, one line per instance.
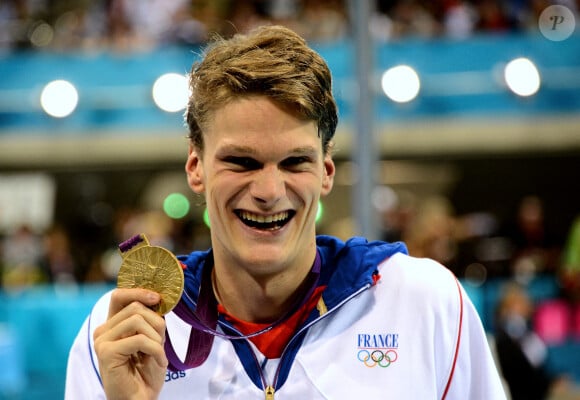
(262, 299)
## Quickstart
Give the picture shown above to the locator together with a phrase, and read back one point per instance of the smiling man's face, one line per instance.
(262, 173)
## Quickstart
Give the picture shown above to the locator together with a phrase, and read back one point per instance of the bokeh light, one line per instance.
(319, 212)
(59, 98)
(176, 205)
(522, 77)
(401, 83)
(206, 218)
(170, 92)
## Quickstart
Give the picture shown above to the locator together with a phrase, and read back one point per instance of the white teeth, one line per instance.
(262, 219)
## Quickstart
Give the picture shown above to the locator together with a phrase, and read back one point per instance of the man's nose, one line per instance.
(268, 185)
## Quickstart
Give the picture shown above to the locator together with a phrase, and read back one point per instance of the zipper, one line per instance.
(270, 388)
(269, 392)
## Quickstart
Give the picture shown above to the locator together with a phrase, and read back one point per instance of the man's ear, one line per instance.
(328, 177)
(194, 171)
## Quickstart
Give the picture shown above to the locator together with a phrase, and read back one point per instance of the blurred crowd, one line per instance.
(480, 245)
(520, 247)
(134, 25)
(86, 252)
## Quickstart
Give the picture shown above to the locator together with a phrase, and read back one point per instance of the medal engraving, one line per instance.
(153, 268)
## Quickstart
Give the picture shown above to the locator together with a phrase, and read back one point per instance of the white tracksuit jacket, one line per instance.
(396, 327)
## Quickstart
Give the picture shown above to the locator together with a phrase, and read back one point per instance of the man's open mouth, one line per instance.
(265, 222)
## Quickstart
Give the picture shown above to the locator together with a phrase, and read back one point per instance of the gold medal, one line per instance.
(151, 267)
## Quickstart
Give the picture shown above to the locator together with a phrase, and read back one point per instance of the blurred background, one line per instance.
(465, 144)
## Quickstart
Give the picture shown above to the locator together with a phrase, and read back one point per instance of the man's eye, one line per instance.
(295, 161)
(244, 162)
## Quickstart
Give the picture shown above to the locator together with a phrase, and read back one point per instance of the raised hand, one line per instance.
(129, 346)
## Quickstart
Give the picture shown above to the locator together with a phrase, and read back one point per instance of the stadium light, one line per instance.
(59, 98)
(401, 83)
(170, 92)
(522, 77)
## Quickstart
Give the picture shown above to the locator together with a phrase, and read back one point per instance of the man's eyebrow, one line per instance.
(236, 148)
(247, 150)
(306, 150)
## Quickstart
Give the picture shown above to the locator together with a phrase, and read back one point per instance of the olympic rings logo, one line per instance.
(382, 358)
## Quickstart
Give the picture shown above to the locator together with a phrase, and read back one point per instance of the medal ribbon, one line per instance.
(204, 320)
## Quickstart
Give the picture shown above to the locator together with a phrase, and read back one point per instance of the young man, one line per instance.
(272, 310)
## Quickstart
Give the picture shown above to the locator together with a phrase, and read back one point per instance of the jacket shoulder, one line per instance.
(422, 277)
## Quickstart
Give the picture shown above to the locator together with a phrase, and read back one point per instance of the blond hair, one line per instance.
(270, 61)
